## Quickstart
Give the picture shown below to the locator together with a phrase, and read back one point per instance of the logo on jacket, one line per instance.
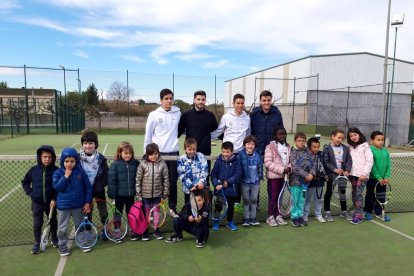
(160, 120)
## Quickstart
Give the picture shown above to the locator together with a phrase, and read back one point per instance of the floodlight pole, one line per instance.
(384, 79)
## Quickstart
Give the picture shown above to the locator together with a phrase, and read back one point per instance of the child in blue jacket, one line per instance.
(225, 175)
(37, 184)
(74, 195)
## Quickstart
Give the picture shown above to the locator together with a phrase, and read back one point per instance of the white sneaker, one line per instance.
(305, 218)
(320, 219)
(280, 220)
(328, 217)
(173, 214)
(86, 250)
(346, 215)
(271, 221)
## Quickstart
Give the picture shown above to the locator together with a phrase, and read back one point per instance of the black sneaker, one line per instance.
(158, 235)
(64, 251)
(295, 223)
(174, 238)
(200, 244)
(302, 222)
(135, 237)
(145, 236)
(36, 248)
(55, 242)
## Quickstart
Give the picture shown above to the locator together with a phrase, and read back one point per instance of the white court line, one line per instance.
(393, 230)
(9, 193)
(62, 261)
(106, 146)
(74, 145)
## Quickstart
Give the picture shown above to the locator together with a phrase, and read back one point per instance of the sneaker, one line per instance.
(36, 248)
(104, 237)
(386, 218)
(305, 218)
(356, 220)
(346, 215)
(145, 236)
(174, 238)
(320, 219)
(200, 244)
(232, 226)
(302, 222)
(135, 237)
(328, 217)
(173, 213)
(246, 223)
(64, 251)
(216, 225)
(280, 220)
(55, 242)
(295, 223)
(86, 250)
(271, 221)
(157, 234)
(367, 216)
(254, 222)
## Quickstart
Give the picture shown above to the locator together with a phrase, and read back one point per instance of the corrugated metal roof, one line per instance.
(318, 56)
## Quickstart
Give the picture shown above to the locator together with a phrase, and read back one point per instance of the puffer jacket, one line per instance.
(152, 179)
(122, 178)
(362, 160)
(229, 170)
(252, 167)
(263, 125)
(75, 191)
(37, 182)
(273, 161)
(192, 171)
(330, 163)
(298, 173)
(319, 179)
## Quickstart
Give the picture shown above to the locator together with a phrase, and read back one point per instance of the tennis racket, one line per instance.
(342, 188)
(220, 205)
(116, 226)
(285, 198)
(383, 195)
(86, 235)
(306, 165)
(158, 214)
(193, 205)
(46, 232)
(321, 174)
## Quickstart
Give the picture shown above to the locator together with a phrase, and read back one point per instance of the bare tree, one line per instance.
(119, 93)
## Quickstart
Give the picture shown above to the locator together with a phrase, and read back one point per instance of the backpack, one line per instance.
(136, 218)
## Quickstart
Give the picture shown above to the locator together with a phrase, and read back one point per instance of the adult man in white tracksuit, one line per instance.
(162, 129)
(235, 125)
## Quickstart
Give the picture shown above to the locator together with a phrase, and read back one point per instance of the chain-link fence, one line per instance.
(16, 216)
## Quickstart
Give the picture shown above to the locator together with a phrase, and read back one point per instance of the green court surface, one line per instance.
(337, 248)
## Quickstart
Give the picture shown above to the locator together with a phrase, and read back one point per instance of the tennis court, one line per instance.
(322, 249)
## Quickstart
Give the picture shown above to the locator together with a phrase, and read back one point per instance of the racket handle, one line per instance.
(383, 214)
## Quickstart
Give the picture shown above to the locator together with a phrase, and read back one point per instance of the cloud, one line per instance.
(9, 5)
(216, 64)
(134, 59)
(194, 56)
(81, 54)
(285, 28)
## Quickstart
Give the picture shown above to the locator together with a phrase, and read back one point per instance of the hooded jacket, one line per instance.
(382, 164)
(192, 171)
(122, 178)
(298, 173)
(152, 179)
(273, 161)
(330, 163)
(38, 181)
(252, 167)
(235, 129)
(76, 190)
(162, 129)
(229, 170)
(263, 125)
(362, 160)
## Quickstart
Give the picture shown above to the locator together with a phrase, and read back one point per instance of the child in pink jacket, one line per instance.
(276, 160)
(362, 161)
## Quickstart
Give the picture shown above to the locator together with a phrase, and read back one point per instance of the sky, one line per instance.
(194, 40)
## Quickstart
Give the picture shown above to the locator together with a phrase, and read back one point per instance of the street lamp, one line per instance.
(79, 85)
(64, 78)
(396, 22)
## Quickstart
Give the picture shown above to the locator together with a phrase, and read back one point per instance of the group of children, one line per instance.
(83, 177)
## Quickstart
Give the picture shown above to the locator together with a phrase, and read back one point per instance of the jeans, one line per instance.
(313, 192)
(249, 194)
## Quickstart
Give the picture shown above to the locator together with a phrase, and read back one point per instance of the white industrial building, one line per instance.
(333, 90)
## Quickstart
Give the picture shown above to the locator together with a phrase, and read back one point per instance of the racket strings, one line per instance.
(86, 236)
